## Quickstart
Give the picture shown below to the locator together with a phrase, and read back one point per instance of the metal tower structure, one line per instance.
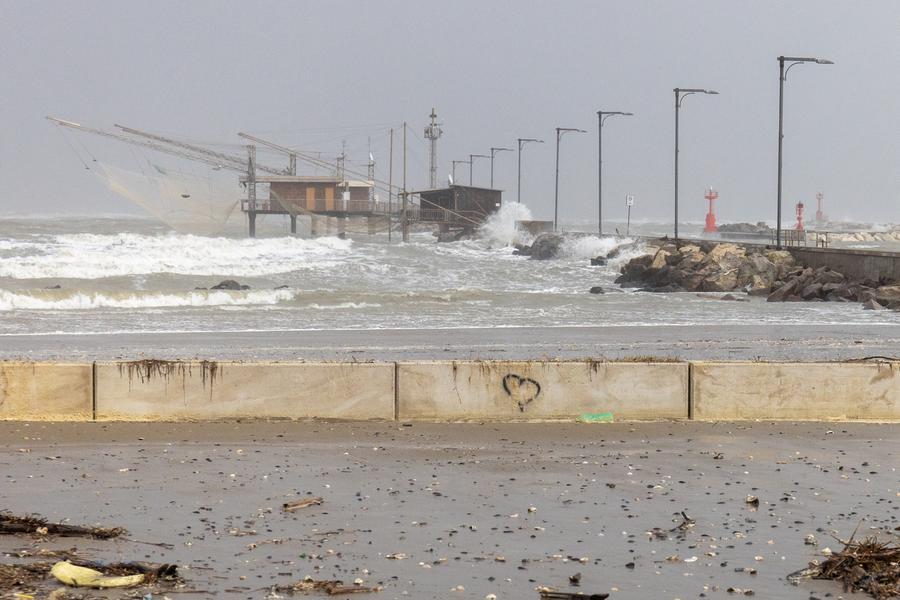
(432, 133)
(820, 215)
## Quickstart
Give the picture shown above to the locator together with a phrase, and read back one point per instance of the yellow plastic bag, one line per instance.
(76, 576)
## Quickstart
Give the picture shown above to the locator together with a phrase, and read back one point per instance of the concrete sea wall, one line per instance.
(860, 264)
(540, 390)
(722, 391)
(151, 390)
(162, 390)
(46, 391)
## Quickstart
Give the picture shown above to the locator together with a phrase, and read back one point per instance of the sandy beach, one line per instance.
(471, 510)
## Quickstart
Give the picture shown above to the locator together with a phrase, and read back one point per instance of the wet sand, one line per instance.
(455, 500)
(716, 341)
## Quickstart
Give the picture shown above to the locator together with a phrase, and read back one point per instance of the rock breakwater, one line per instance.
(758, 272)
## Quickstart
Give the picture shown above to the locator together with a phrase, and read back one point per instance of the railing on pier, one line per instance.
(414, 212)
(793, 237)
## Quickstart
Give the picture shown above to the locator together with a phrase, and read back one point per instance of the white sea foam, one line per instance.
(93, 256)
(500, 227)
(344, 306)
(66, 300)
(591, 246)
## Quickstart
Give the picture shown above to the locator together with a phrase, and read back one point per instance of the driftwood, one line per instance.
(547, 594)
(332, 588)
(298, 504)
(12, 525)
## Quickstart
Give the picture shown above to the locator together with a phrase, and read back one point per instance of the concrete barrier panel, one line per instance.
(206, 390)
(46, 391)
(795, 391)
(541, 390)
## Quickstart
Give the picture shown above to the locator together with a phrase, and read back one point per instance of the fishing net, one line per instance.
(188, 203)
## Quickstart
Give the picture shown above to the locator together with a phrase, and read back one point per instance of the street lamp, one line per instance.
(522, 142)
(602, 116)
(560, 131)
(457, 162)
(494, 152)
(472, 158)
(681, 94)
(781, 79)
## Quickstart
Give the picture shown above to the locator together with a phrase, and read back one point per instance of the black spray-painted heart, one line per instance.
(523, 390)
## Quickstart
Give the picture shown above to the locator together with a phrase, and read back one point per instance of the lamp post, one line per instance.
(457, 162)
(522, 142)
(494, 152)
(680, 95)
(560, 131)
(472, 158)
(782, 76)
(602, 116)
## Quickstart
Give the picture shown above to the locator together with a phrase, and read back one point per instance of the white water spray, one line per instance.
(500, 227)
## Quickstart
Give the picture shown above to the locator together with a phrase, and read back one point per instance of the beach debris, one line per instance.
(28, 578)
(869, 565)
(552, 594)
(604, 417)
(333, 587)
(69, 574)
(752, 501)
(298, 504)
(575, 580)
(12, 525)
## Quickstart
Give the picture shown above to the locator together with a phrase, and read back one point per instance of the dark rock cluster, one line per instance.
(771, 273)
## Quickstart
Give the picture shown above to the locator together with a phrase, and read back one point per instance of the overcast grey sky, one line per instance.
(495, 71)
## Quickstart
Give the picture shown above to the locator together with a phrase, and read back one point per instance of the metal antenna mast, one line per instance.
(432, 133)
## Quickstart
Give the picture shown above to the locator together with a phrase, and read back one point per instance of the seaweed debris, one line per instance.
(12, 524)
(870, 566)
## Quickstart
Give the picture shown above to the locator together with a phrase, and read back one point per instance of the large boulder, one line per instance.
(720, 281)
(872, 304)
(813, 290)
(757, 268)
(784, 292)
(691, 257)
(727, 256)
(759, 286)
(546, 246)
(887, 294)
(659, 259)
(782, 259)
(826, 275)
(634, 270)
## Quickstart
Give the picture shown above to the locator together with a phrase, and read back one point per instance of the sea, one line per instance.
(128, 274)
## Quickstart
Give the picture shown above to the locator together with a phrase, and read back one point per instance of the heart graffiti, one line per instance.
(523, 390)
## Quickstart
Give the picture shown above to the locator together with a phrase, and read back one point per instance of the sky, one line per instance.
(311, 74)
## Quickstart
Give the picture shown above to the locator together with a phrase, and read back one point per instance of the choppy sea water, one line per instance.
(134, 275)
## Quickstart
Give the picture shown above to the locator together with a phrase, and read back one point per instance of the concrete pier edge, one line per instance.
(451, 391)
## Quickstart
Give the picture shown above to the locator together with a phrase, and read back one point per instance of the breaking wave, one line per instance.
(66, 300)
(94, 256)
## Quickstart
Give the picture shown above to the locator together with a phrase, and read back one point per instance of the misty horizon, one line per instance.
(494, 73)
